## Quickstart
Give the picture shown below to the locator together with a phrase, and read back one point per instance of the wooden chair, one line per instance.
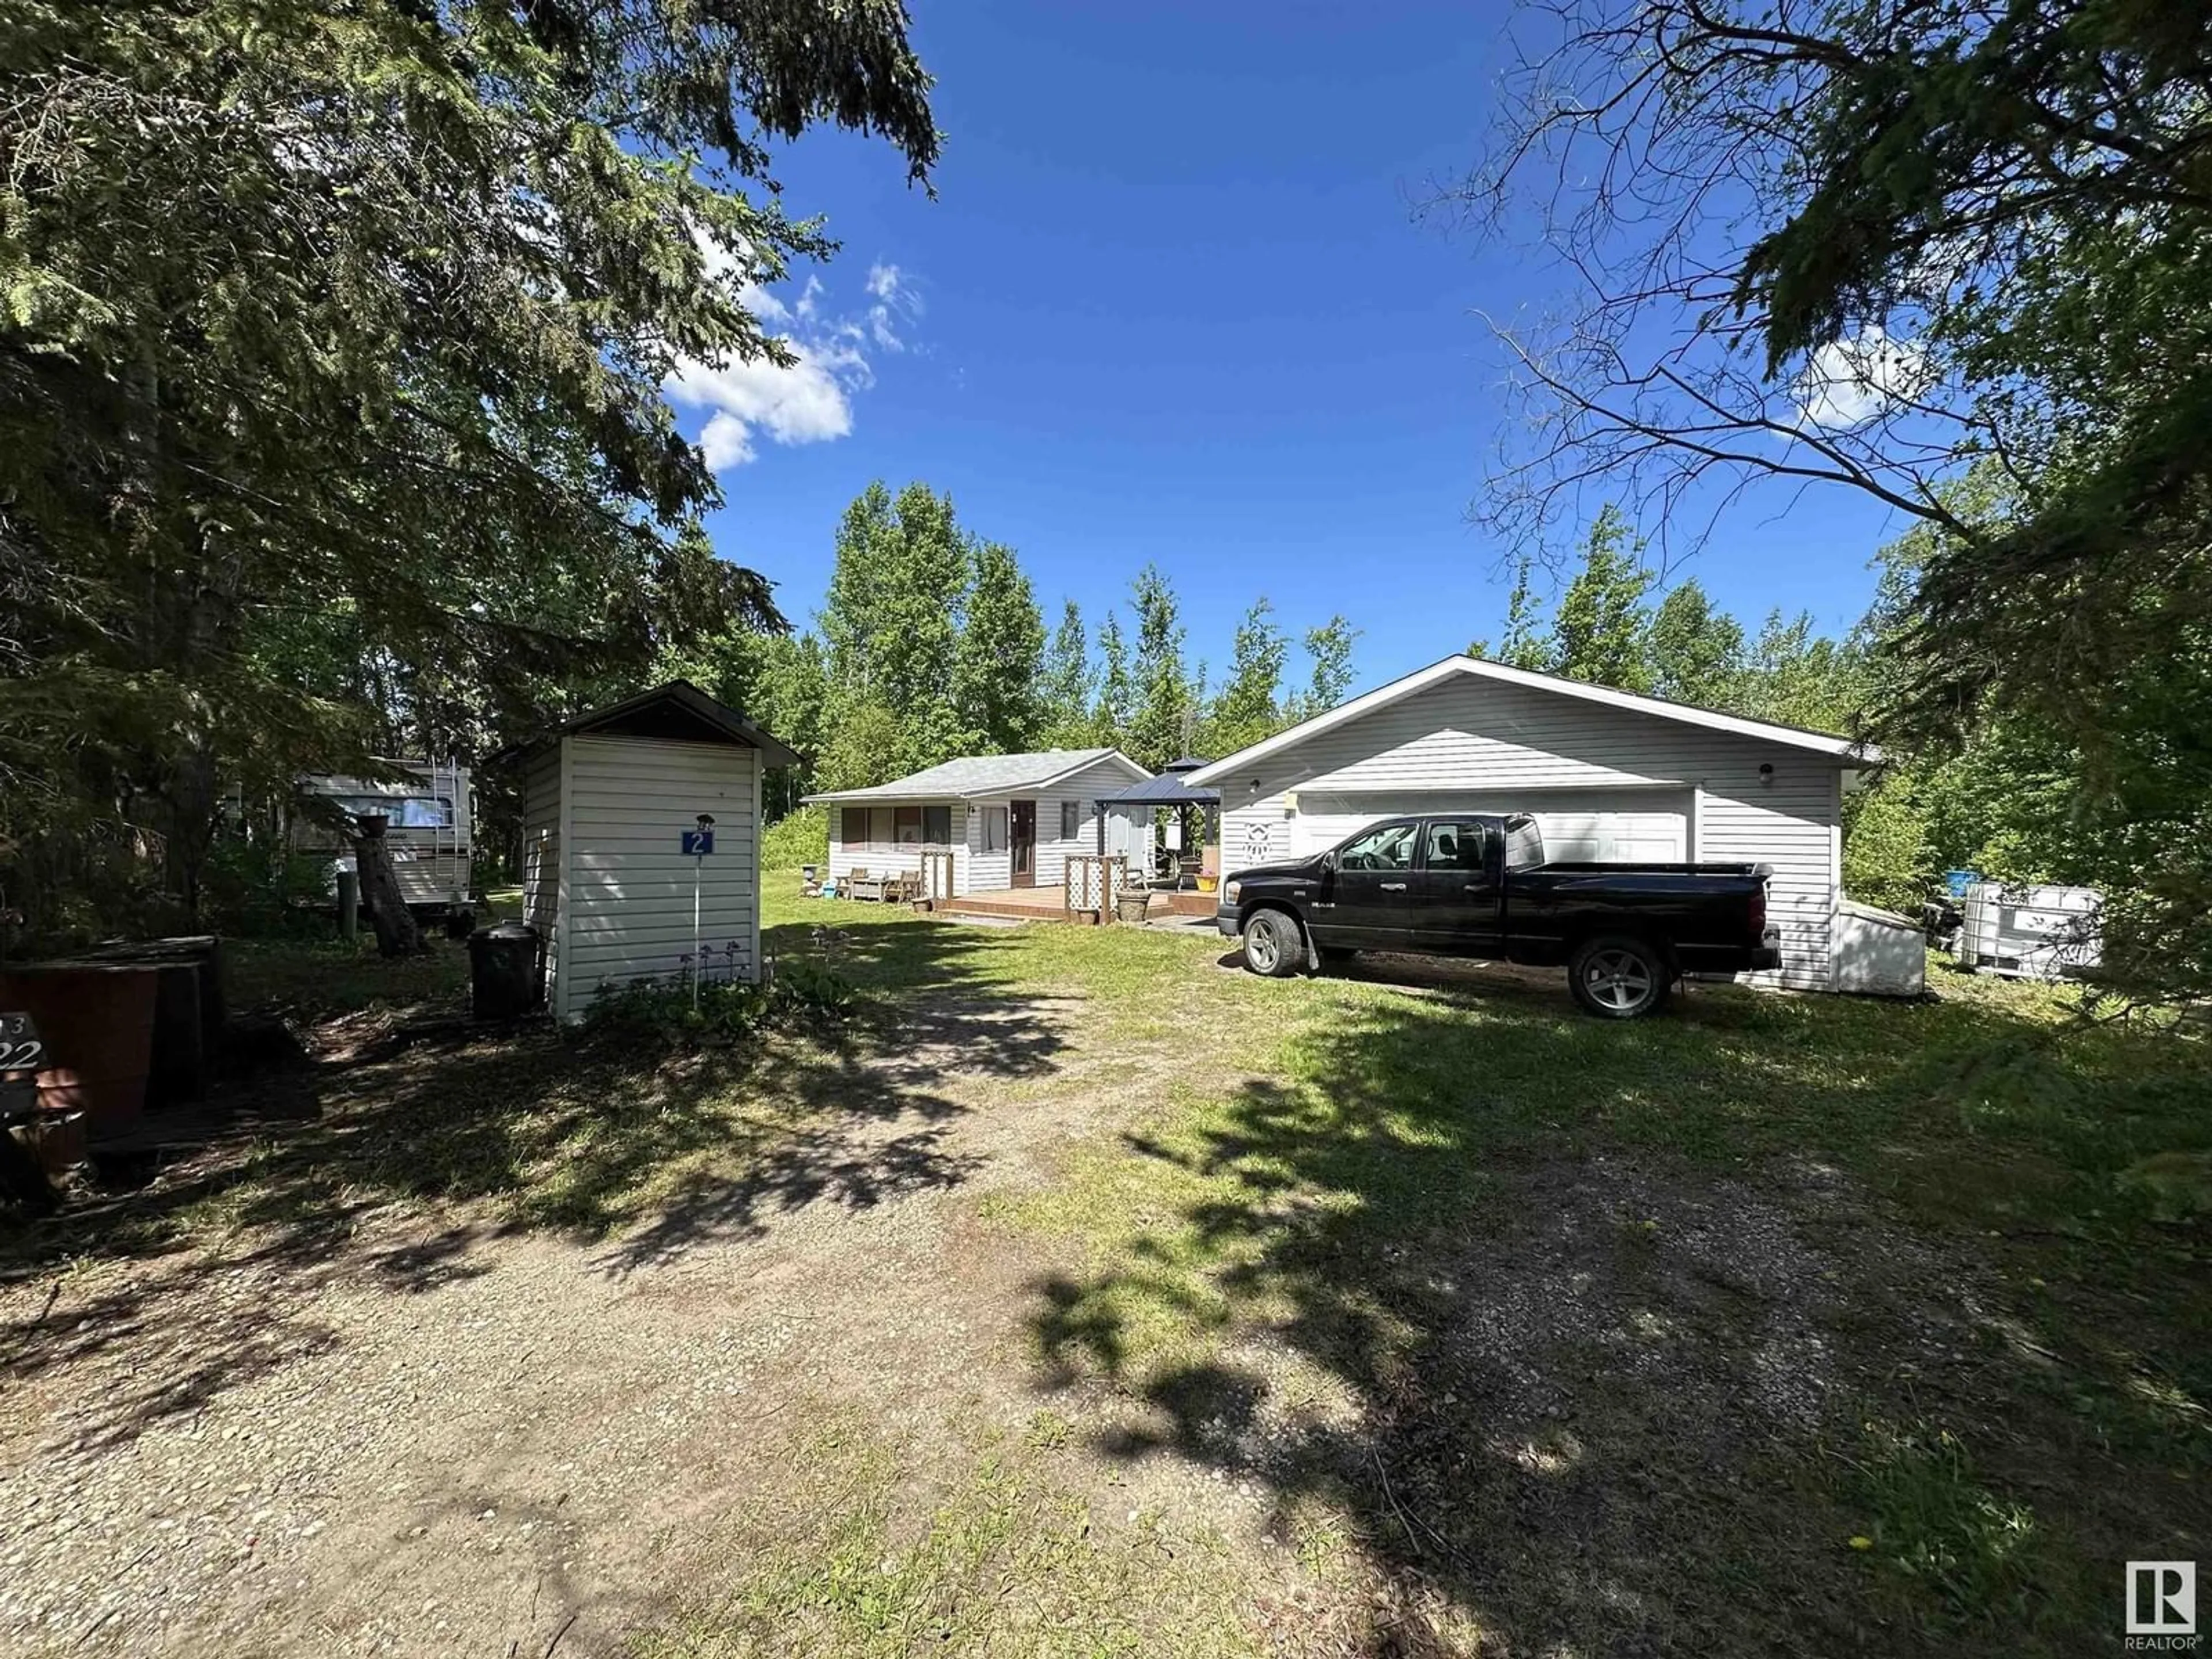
(862, 885)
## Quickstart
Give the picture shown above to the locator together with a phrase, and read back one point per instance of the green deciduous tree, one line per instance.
(1161, 721)
(1525, 644)
(1248, 706)
(998, 660)
(891, 625)
(1117, 700)
(1067, 682)
(1697, 651)
(1329, 678)
(1601, 628)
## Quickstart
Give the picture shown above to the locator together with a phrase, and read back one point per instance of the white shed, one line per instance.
(1609, 775)
(1009, 821)
(607, 799)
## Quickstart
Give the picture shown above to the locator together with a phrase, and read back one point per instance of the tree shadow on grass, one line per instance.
(396, 1169)
(1578, 1324)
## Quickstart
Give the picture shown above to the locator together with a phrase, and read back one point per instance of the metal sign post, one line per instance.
(698, 843)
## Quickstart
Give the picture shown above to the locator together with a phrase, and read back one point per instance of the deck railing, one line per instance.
(1092, 881)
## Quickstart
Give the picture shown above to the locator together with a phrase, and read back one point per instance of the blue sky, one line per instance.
(1172, 303)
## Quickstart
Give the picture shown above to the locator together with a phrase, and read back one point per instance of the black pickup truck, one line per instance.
(1474, 884)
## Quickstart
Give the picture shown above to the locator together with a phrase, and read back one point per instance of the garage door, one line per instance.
(1607, 826)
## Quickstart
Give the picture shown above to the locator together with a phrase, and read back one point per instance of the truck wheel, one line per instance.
(1620, 976)
(1274, 946)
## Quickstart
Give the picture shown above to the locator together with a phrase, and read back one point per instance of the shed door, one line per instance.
(1604, 826)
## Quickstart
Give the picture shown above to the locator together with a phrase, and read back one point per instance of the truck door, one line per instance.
(1372, 906)
(1458, 888)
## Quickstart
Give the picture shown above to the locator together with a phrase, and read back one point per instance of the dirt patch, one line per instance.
(438, 1433)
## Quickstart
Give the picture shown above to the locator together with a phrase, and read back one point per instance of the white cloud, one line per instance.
(811, 400)
(896, 304)
(1849, 382)
(725, 442)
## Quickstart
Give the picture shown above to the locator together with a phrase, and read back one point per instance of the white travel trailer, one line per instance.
(430, 820)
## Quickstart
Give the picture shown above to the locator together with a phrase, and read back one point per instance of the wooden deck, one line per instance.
(1043, 904)
(1023, 904)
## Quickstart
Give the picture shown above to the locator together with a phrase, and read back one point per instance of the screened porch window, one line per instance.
(866, 826)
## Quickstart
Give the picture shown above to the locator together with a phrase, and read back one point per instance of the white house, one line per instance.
(607, 799)
(1008, 820)
(1608, 774)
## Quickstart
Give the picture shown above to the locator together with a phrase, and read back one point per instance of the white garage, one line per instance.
(1610, 776)
(1604, 825)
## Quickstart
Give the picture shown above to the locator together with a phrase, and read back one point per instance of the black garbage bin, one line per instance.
(503, 971)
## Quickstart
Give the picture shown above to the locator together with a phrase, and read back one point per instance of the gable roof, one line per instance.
(974, 775)
(678, 710)
(1844, 751)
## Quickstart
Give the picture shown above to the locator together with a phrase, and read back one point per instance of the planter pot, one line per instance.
(1132, 907)
(1208, 884)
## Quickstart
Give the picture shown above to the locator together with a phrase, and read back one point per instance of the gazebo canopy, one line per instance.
(1169, 789)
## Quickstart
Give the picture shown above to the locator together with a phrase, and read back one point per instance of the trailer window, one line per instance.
(404, 812)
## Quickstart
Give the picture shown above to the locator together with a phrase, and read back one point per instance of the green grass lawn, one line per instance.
(2013, 1330)
(1778, 1324)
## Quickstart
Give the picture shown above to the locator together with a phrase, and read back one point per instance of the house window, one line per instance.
(907, 826)
(1071, 819)
(937, 825)
(853, 830)
(994, 829)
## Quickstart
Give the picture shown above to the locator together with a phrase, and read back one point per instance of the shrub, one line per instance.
(658, 1013)
(801, 837)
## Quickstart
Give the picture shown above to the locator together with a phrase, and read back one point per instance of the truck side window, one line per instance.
(1390, 847)
(1459, 846)
(1524, 847)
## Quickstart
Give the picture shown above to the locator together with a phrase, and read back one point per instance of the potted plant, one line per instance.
(1132, 905)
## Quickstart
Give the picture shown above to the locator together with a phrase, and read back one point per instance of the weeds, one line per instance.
(669, 1013)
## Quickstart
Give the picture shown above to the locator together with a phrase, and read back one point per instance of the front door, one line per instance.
(1021, 842)
(1371, 891)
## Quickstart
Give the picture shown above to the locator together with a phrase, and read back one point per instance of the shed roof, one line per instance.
(1845, 752)
(974, 775)
(678, 710)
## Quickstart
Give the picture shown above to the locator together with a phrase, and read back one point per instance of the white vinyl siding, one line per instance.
(1466, 739)
(1084, 789)
(1604, 826)
(626, 904)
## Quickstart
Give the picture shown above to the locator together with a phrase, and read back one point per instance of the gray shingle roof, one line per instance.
(984, 775)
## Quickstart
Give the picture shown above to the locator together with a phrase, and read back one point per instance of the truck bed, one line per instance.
(1584, 867)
